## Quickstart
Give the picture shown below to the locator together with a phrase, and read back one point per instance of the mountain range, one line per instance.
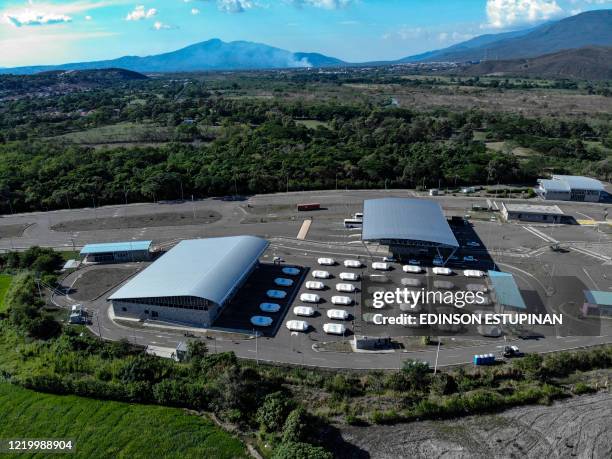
(589, 63)
(589, 29)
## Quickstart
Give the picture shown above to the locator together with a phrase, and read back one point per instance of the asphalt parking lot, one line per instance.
(236, 316)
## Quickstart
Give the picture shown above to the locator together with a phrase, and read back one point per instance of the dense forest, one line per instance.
(214, 136)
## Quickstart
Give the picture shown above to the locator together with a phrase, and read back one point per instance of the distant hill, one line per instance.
(592, 63)
(208, 55)
(593, 28)
(93, 76)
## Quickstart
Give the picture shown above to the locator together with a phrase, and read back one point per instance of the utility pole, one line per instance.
(437, 354)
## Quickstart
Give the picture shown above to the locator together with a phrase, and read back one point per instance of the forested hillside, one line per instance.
(172, 138)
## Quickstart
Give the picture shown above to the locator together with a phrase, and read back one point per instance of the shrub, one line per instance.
(297, 450)
(272, 414)
(297, 426)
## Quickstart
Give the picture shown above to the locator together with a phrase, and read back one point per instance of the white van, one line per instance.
(326, 261)
(341, 300)
(334, 329)
(305, 311)
(442, 271)
(337, 314)
(380, 266)
(345, 288)
(309, 298)
(314, 285)
(412, 269)
(297, 325)
(352, 264)
(473, 273)
(321, 274)
(349, 276)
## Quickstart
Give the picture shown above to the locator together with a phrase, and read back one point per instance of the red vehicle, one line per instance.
(307, 207)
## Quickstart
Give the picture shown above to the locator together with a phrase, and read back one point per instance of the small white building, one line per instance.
(533, 213)
(570, 188)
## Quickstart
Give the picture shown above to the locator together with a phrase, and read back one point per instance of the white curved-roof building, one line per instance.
(191, 282)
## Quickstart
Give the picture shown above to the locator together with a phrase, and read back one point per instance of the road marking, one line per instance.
(590, 278)
(304, 229)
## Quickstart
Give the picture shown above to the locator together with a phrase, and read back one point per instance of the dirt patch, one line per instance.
(7, 231)
(577, 427)
(202, 217)
(94, 282)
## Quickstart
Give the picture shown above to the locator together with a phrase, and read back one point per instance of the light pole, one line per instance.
(437, 354)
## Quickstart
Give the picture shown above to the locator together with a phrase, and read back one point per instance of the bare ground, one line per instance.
(7, 231)
(579, 427)
(202, 217)
(94, 282)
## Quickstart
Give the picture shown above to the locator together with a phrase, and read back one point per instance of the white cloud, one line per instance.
(506, 13)
(325, 4)
(140, 12)
(88, 18)
(158, 25)
(195, 11)
(235, 6)
(34, 17)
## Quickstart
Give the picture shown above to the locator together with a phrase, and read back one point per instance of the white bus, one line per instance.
(353, 223)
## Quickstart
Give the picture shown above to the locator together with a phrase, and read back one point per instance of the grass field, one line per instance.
(102, 429)
(120, 133)
(5, 283)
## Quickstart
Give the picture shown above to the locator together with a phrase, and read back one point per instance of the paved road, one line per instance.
(520, 248)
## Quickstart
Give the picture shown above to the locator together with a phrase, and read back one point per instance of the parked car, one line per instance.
(341, 300)
(269, 307)
(297, 325)
(438, 261)
(512, 351)
(305, 311)
(469, 259)
(414, 262)
(337, 314)
(473, 273)
(346, 288)
(472, 244)
(321, 274)
(309, 298)
(290, 271)
(282, 282)
(349, 276)
(326, 261)
(314, 285)
(261, 321)
(389, 259)
(442, 271)
(352, 264)
(412, 269)
(334, 329)
(278, 294)
(380, 266)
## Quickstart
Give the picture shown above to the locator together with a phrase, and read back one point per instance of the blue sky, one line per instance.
(58, 31)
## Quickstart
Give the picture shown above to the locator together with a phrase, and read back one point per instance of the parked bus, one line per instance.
(353, 223)
(307, 207)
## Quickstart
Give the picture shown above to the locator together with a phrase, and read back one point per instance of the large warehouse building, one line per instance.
(534, 213)
(116, 252)
(570, 188)
(192, 282)
(408, 226)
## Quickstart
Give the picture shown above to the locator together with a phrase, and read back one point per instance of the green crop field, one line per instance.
(110, 429)
(5, 283)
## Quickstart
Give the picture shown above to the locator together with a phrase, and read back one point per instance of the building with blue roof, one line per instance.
(192, 282)
(506, 291)
(408, 226)
(116, 252)
(570, 188)
(598, 303)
